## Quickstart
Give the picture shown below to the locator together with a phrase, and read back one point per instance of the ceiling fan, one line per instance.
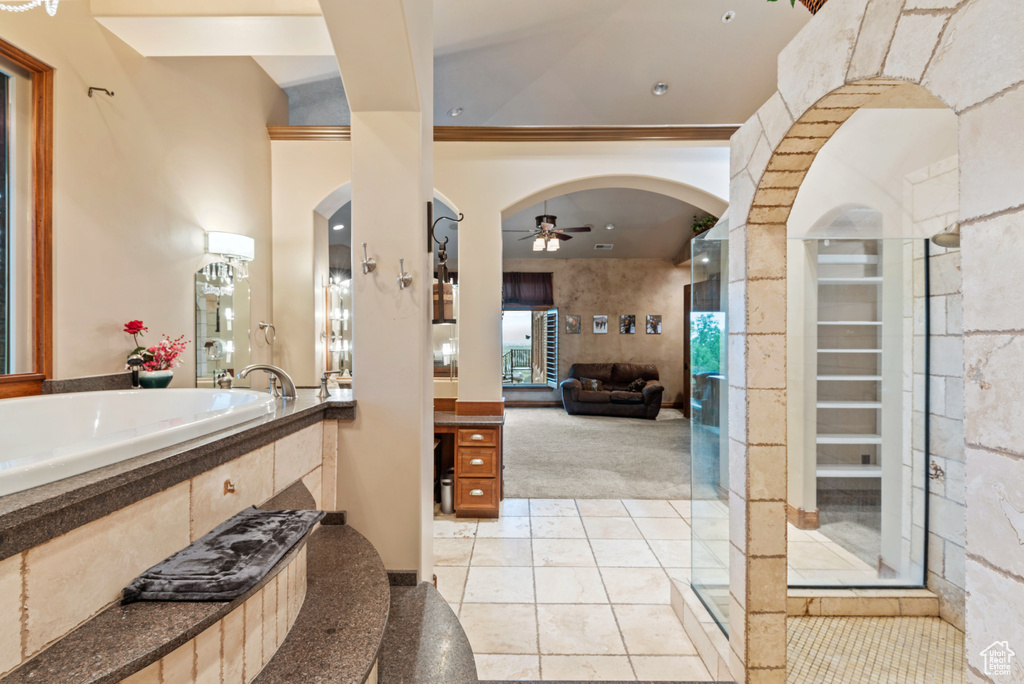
(546, 235)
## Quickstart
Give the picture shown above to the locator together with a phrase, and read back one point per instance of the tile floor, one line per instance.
(571, 589)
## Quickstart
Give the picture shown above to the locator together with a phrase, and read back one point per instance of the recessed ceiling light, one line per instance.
(705, 260)
(340, 226)
(610, 226)
(728, 16)
(660, 88)
(454, 112)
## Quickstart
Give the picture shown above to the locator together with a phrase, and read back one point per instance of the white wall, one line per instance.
(139, 177)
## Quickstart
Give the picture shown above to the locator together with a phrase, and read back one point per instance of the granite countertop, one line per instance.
(452, 418)
(36, 515)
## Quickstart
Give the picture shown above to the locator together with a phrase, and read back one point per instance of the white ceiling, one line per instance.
(515, 62)
(647, 225)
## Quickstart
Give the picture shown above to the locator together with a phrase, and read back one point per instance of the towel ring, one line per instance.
(267, 328)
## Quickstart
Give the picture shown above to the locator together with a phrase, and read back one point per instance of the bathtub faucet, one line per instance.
(135, 362)
(287, 384)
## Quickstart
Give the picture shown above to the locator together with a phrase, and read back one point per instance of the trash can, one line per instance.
(447, 495)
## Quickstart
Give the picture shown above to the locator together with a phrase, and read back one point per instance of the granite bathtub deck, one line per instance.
(424, 641)
(36, 515)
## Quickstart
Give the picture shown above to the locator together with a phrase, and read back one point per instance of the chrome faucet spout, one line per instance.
(135, 362)
(287, 384)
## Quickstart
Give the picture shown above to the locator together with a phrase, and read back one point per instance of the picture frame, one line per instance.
(573, 324)
(600, 325)
(653, 324)
(627, 324)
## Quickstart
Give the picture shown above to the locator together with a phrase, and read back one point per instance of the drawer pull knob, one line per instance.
(477, 437)
(477, 492)
(477, 461)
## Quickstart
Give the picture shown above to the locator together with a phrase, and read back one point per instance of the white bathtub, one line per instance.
(48, 438)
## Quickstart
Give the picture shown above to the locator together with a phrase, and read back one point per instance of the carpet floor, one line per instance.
(552, 455)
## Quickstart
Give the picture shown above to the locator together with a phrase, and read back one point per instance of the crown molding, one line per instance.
(527, 133)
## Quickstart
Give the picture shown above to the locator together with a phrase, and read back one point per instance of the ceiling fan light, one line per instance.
(554, 245)
(538, 245)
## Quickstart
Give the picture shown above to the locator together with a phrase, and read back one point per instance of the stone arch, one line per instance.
(871, 53)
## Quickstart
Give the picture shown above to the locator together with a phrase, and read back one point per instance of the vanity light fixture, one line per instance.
(237, 250)
(659, 88)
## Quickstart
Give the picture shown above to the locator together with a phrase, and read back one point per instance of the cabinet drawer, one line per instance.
(478, 437)
(474, 462)
(476, 495)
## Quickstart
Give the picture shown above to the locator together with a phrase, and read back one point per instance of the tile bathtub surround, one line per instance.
(557, 595)
(74, 576)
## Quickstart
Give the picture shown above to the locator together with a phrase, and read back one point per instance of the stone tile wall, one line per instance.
(49, 590)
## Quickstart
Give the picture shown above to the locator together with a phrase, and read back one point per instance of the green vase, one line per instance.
(155, 379)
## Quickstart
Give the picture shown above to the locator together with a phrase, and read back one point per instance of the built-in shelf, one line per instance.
(848, 439)
(850, 378)
(850, 404)
(862, 280)
(849, 471)
(878, 323)
(849, 351)
(847, 259)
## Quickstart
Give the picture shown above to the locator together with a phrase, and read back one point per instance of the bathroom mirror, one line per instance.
(222, 323)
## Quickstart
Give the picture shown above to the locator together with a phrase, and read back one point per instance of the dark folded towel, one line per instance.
(228, 561)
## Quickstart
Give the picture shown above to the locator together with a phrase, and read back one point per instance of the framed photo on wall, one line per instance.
(627, 324)
(600, 325)
(572, 324)
(653, 324)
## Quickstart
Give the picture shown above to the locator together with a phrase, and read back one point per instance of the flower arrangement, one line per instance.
(164, 355)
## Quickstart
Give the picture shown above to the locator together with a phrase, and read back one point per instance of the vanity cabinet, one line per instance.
(476, 456)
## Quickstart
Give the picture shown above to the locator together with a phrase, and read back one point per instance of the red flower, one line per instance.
(134, 327)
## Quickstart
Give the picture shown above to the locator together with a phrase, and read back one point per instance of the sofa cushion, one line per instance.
(591, 384)
(625, 373)
(599, 371)
(619, 397)
(596, 397)
(637, 385)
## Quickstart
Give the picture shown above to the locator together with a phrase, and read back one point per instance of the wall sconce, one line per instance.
(237, 250)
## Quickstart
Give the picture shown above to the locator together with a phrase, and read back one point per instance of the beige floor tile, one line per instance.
(815, 556)
(794, 533)
(650, 508)
(562, 552)
(569, 585)
(557, 528)
(450, 529)
(512, 527)
(451, 581)
(702, 556)
(506, 552)
(499, 585)
(653, 630)
(671, 669)
(637, 585)
(448, 551)
(682, 507)
(500, 627)
(504, 667)
(515, 507)
(588, 668)
(664, 528)
(611, 528)
(671, 553)
(594, 508)
(577, 630)
(623, 553)
(549, 508)
(716, 529)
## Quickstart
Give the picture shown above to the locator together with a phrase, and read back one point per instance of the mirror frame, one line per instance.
(26, 384)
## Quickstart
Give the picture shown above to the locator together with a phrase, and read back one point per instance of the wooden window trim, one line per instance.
(25, 384)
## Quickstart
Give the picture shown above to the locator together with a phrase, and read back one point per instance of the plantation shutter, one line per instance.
(551, 347)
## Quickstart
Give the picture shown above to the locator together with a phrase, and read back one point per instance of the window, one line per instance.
(529, 347)
(26, 154)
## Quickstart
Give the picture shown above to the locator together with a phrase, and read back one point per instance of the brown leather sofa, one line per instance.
(613, 399)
